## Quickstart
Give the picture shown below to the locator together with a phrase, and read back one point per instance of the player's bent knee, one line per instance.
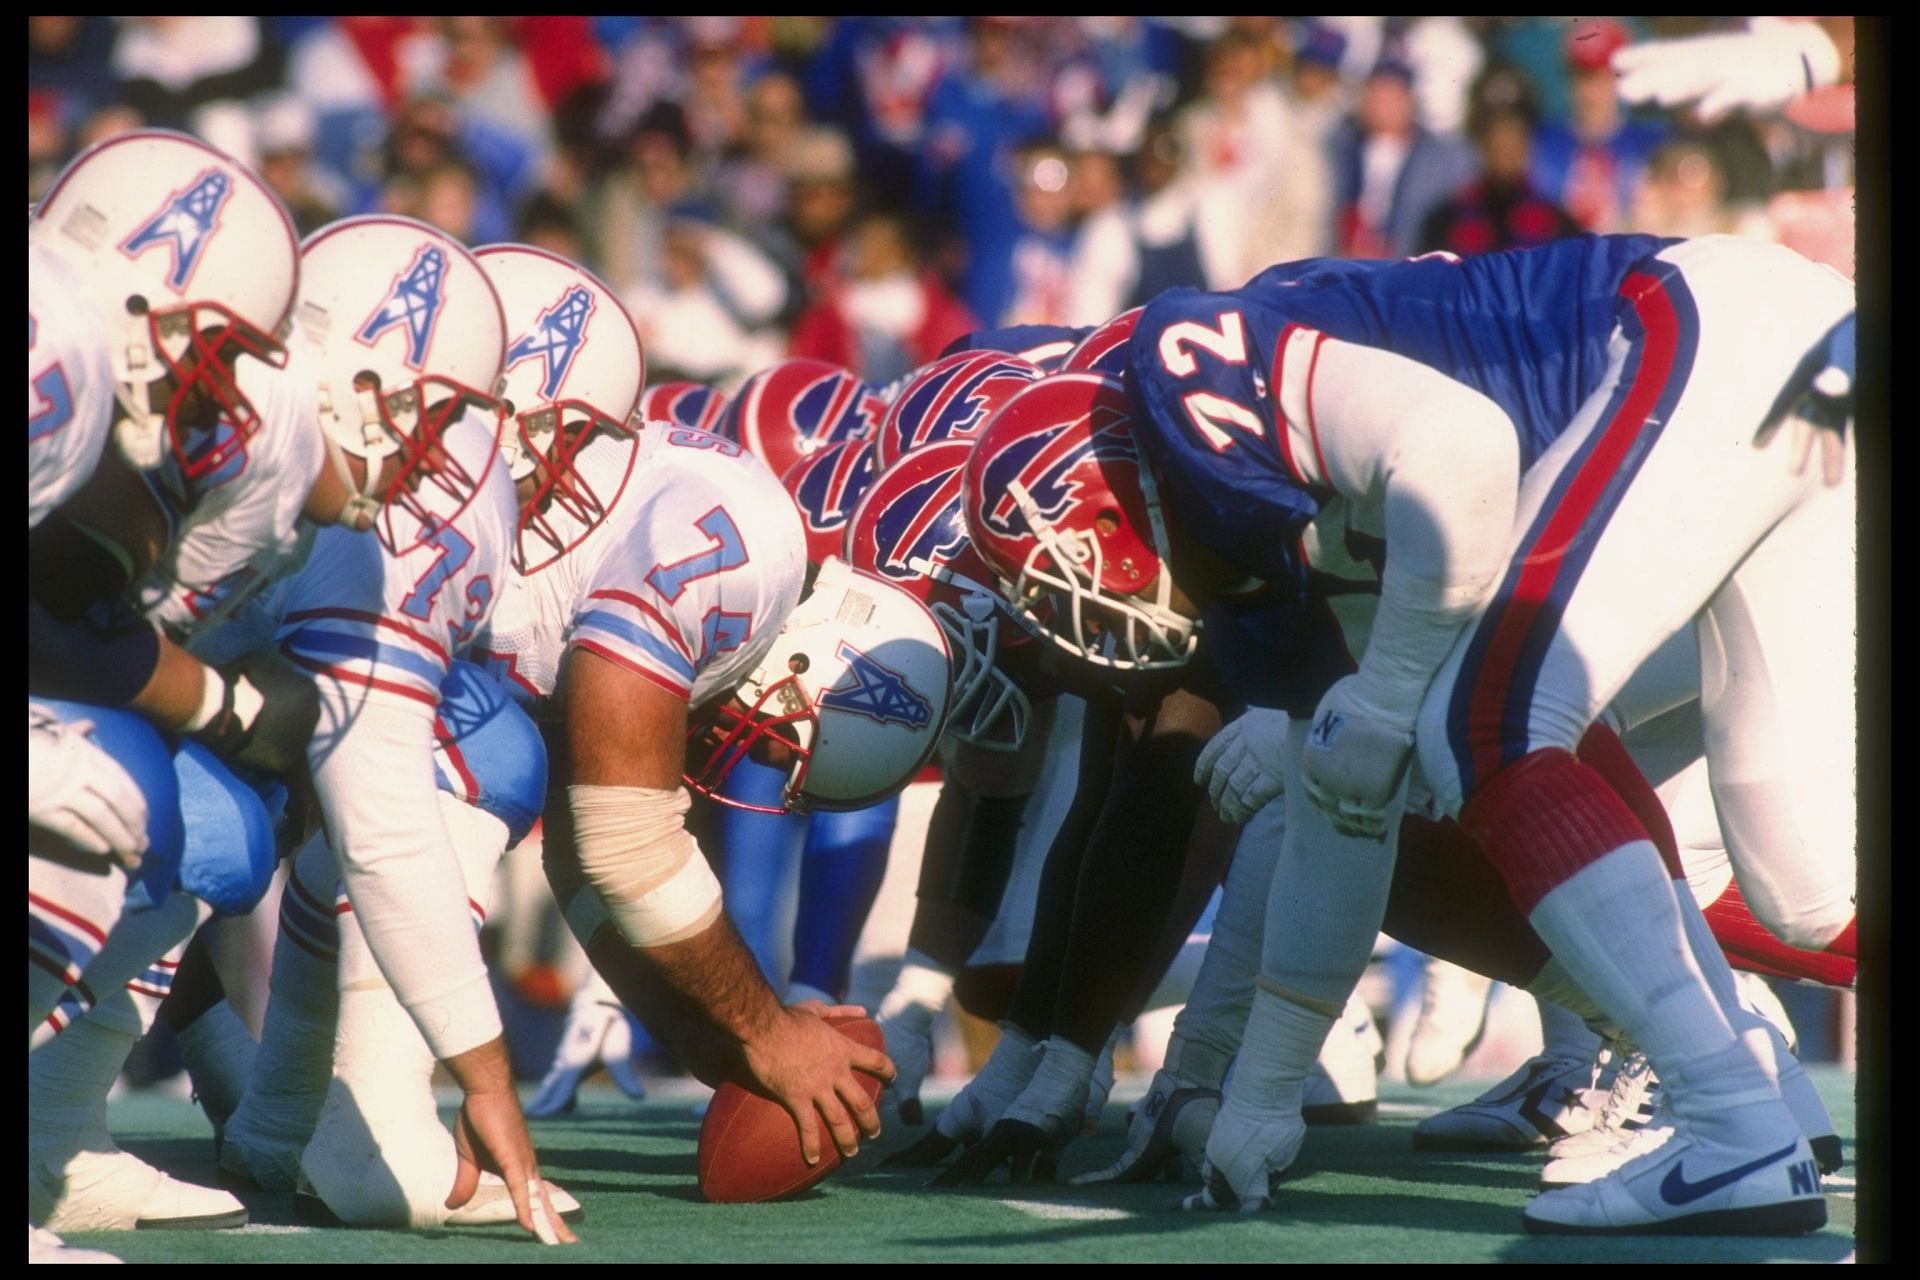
(1544, 818)
(492, 755)
(229, 854)
(377, 1168)
(137, 747)
(648, 873)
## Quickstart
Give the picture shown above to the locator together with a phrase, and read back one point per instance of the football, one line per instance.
(749, 1146)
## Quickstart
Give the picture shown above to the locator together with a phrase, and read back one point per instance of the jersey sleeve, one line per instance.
(640, 609)
(69, 389)
(337, 623)
(1211, 427)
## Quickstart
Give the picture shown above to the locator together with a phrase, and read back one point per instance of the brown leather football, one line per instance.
(750, 1147)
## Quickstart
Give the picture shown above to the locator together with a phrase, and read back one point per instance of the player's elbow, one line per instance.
(1452, 493)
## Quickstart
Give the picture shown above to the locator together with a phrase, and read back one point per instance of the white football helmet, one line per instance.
(856, 688)
(574, 354)
(408, 334)
(188, 262)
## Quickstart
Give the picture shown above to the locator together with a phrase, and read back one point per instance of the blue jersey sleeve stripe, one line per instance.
(331, 646)
(615, 627)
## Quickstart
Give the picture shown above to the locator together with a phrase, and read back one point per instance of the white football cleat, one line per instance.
(491, 1205)
(1245, 1157)
(1100, 1088)
(44, 1246)
(1547, 1098)
(251, 1160)
(597, 1036)
(113, 1191)
(1343, 1085)
(1586, 1164)
(1453, 1017)
(1633, 1095)
(1757, 1179)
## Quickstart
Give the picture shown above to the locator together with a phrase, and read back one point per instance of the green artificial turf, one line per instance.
(1358, 1193)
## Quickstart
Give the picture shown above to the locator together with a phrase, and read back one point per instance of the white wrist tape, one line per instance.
(646, 869)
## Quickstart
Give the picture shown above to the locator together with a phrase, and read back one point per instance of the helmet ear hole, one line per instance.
(1107, 522)
(136, 304)
(798, 664)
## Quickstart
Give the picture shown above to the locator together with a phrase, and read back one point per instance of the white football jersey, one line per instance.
(686, 582)
(69, 386)
(238, 527)
(366, 617)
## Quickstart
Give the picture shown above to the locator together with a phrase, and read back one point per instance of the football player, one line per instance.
(658, 576)
(1263, 406)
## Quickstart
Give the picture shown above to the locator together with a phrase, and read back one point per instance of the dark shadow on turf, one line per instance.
(597, 1159)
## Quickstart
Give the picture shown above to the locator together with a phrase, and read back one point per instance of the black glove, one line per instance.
(267, 715)
(1024, 1148)
(932, 1147)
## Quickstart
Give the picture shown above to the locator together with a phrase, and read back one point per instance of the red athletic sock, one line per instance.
(1545, 818)
(1751, 945)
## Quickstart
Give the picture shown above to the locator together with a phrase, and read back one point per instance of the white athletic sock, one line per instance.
(1616, 926)
(288, 1082)
(988, 1095)
(1283, 1041)
(1055, 1097)
(1564, 1035)
(219, 1052)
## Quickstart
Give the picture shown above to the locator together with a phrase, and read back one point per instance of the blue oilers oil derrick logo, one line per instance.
(830, 483)
(923, 523)
(556, 339)
(876, 692)
(184, 224)
(954, 401)
(1045, 462)
(412, 305)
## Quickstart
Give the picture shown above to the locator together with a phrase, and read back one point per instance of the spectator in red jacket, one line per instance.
(882, 314)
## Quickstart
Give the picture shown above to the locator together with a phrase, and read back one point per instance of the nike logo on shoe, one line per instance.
(1675, 1189)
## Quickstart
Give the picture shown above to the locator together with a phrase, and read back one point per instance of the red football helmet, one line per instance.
(693, 405)
(1105, 349)
(910, 529)
(826, 486)
(953, 396)
(788, 410)
(1060, 503)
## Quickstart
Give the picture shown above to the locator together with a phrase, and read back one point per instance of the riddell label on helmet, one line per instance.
(855, 608)
(85, 225)
(314, 322)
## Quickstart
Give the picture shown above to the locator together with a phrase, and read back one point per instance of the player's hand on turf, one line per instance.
(807, 1067)
(1243, 767)
(1027, 1150)
(1353, 764)
(490, 1134)
(597, 1035)
(79, 793)
(1167, 1135)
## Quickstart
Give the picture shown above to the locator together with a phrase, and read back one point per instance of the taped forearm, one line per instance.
(372, 760)
(644, 866)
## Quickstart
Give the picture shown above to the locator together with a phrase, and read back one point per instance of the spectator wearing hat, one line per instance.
(1592, 164)
(1393, 173)
(821, 202)
(1499, 209)
(283, 136)
(880, 313)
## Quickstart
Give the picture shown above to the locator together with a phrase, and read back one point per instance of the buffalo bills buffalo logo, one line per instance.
(953, 401)
(872, 689)
(413, 303)
(1105, 349)
(1044, 464)
(556, 338)
(922, 523)
(184, 224)
(834, 408)
(831, 482)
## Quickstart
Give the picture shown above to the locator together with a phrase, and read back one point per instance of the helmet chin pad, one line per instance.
(782, 715)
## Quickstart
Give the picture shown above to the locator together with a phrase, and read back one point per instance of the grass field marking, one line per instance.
(274, 1229)
(1067, 1212)
(1407, 1109)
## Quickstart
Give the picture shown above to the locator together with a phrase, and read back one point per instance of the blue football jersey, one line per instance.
(1528, 329)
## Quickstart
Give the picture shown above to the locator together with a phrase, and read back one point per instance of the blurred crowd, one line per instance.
(865, 190)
